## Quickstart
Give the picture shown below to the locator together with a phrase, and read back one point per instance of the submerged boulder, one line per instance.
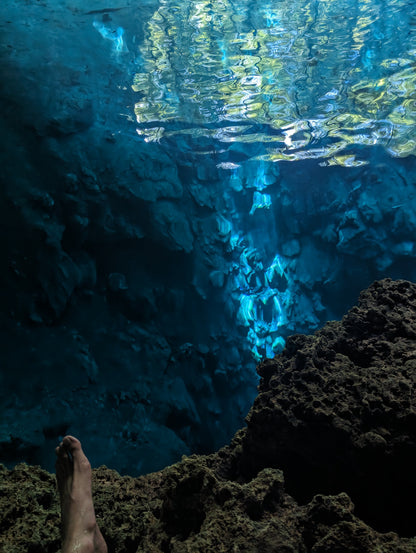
(171, 227)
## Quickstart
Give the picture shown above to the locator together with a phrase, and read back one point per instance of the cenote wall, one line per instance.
(184, 185)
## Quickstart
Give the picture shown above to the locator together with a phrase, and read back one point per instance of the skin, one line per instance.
(73, 473)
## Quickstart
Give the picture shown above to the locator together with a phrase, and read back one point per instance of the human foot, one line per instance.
(73, 473)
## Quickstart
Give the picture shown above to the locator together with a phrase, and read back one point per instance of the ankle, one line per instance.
(83, 544)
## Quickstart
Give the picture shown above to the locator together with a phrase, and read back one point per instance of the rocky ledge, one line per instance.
(325, 465)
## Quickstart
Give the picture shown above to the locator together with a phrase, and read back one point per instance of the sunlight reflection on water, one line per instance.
(316, 79)
(251, 84)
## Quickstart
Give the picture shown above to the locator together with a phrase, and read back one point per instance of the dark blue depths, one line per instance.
(182, 188)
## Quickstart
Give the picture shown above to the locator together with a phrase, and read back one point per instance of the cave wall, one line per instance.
(145, 272)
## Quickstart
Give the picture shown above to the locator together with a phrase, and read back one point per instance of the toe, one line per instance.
(73, 446)
(61, 453)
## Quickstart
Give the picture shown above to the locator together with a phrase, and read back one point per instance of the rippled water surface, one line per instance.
(250, 85)
(300, 79)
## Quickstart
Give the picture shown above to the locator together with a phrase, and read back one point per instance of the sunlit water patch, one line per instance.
(250, 85)
(314, 78)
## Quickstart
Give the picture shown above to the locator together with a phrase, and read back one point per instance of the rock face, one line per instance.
(325, 465)
(150, 243)
(336, 411)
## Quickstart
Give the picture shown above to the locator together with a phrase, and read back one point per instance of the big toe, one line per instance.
(73, 446)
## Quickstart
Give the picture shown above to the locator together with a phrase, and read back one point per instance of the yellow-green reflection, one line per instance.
(334, 71)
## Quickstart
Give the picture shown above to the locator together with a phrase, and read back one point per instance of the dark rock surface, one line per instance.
(101, 323)
(325, 465)
(341, 406)
(149, 248)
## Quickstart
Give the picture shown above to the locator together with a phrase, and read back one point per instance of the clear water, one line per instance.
(248, 86)
(275, 142)
(299, 79)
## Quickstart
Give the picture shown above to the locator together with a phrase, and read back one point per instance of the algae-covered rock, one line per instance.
(336, 411)
(326, 464)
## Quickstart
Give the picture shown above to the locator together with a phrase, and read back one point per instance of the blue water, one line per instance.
(299, 80)
(184, 185)
(252, 86)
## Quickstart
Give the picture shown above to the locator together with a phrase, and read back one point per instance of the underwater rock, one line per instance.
(369, 208)
(151, 190)
(203, 195)
(291, 248)
(405, 248)
(146, 173)
(70, 117)
(59, 276)
(207, 172)
(325, 465)
(171, 227)
(179, 405)
(350, 231)
(117, 282)
(217, 278)
(313, 265)
(18, 441)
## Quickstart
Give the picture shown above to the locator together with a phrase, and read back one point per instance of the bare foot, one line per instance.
(73, 473)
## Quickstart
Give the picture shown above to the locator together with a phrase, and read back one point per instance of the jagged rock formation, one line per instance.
(325, 465)
(337, 411)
